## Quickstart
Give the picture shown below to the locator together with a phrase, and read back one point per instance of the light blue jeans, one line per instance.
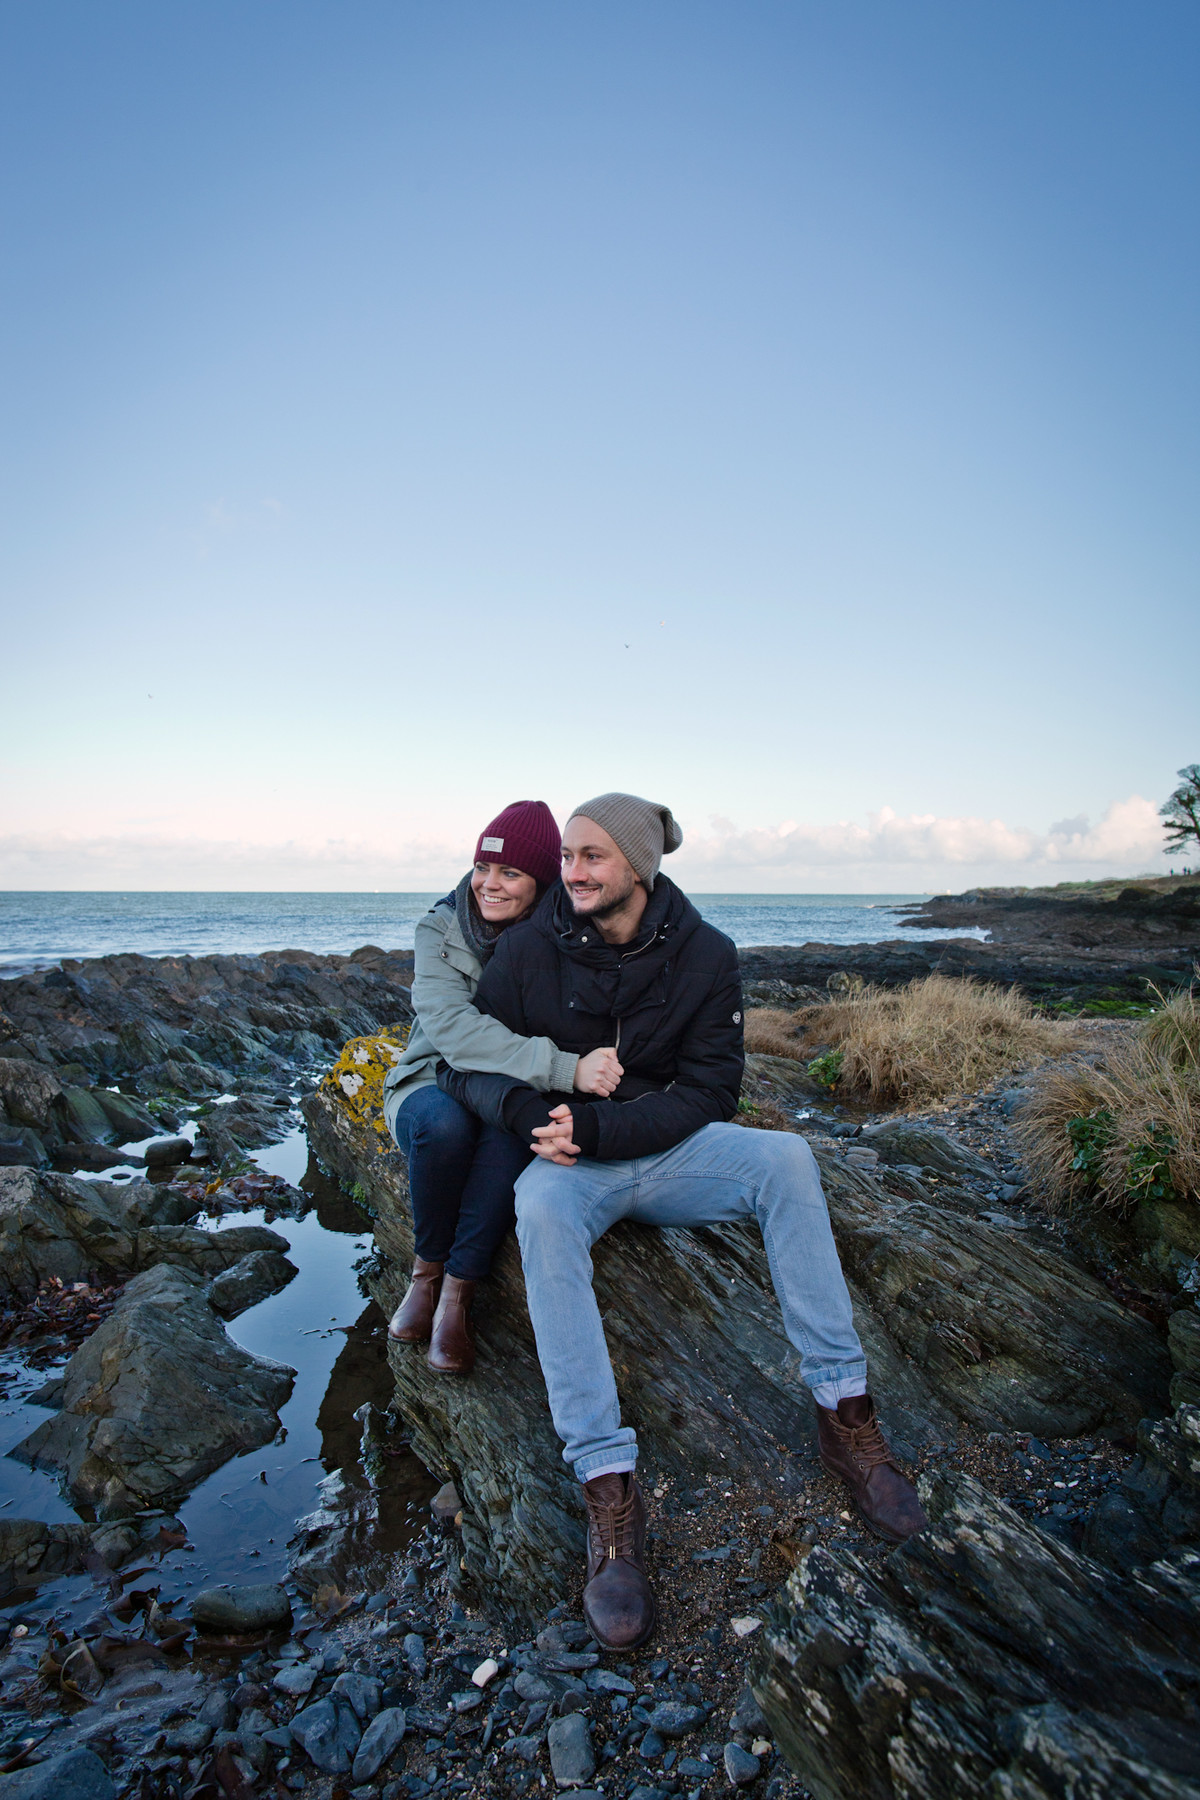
(722, 1173)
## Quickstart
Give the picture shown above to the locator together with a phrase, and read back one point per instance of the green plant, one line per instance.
(827, 1069)
(1091, 1135)
(1148, 1170)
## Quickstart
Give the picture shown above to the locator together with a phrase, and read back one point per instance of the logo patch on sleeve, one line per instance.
(492, 844)
(737, 1018)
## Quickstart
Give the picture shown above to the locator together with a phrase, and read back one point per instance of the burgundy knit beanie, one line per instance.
(525, 836)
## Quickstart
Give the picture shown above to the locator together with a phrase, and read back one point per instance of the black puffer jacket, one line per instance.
(671, 1001)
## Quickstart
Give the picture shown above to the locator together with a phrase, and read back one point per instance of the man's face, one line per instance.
(594, 871)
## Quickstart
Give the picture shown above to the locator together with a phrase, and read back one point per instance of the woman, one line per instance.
(461, 1172)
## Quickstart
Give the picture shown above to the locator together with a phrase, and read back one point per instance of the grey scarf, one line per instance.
(478, 935)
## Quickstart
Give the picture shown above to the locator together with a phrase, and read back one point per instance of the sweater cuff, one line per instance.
(563, 1065)
(585, 1129)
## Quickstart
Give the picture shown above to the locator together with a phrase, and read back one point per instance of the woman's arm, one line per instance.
(442, 998)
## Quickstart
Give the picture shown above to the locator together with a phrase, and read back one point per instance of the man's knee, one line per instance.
(540, 1197)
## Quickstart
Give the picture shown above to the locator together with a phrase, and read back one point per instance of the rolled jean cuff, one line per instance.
(841, 1384)
(607, 1462)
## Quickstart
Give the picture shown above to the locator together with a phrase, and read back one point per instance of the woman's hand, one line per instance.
(553, 1142)
(598, 1072)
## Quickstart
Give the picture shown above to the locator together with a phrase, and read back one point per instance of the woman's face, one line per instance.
(502, 893)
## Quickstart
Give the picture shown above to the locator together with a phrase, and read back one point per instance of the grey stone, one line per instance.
(741, 1768)
(254, 1278)
(414, 1654)
(189, 1739)
(362, 1691)
(162, 1153)
(130, 1120)
(572, 1759)
(531, 1686)
(157, 1398)
(904, 1141)
(652, 1746)
(607, 1681)
(747, 1715)
(527, 1748)
(262, 1606)
(297, 1680)
(85, 1120)
(31, 1095)
(21, 1147)
(672, 1719)
(378, 1743)
(329, 1734)
(76, 1775)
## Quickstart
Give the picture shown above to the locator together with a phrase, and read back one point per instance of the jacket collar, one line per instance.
(668, 920)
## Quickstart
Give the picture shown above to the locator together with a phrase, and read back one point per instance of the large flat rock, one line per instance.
(960, 1322)
(984, 1660)
(158, 1397)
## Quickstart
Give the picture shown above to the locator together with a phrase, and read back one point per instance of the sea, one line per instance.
(37, 930)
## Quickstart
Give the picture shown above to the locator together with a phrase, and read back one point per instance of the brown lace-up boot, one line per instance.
(851, 1445)
(412, 1320)
(452, 1343)
(618, 1601)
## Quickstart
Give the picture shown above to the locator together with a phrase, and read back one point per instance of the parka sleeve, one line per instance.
(442, 997)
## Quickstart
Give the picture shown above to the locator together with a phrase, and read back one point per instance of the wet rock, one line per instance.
(378, 1743)
(31, 1551)
(77, 1775)
(53, 1225)
(335, 1536)
(961, 1320)
(741, 1767)
(901, 1141)
(206, 1252)
(572, 1759)
(362, 1691)
(249, 1280)
(983, 1658)
(262, 1606)
(132, 1122)
(157, 1397)
(20, 1147)
(672, 1719)
(296, 1681)
(164, 1153)
(328, 1732)
(31, 1095)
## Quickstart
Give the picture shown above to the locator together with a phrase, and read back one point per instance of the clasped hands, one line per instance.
(599, 1073)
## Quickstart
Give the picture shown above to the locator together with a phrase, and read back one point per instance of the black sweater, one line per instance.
(671, 1001)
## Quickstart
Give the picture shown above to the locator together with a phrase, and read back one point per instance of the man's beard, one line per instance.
(605, 908)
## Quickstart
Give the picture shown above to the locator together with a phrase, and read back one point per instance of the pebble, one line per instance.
(487, 1671)
(414, 1654)
(525, 1747)
(297, 1680)
(672, 1719)
(378, 1743)
(652, 1746)
(744, 1626)
(328, 1732)
(532, 1687)
(572, 1758)
(740, 1766)
(604, 1681)
(362, 1691)
(260, 1607)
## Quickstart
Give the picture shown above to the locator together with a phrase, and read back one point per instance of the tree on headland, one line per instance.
(1180, 814)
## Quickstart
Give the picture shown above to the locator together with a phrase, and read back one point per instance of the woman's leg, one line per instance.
(438, 1136)
(487, 1213)
(484, 1218)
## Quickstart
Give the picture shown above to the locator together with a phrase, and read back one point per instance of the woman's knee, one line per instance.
(433, 1121)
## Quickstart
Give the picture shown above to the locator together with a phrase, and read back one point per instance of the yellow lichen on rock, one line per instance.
(356, 1078)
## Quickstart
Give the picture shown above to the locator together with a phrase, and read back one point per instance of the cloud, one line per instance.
(890, 851)
(1128, 837)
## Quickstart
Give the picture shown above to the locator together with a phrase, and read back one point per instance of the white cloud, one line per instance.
(889, 852)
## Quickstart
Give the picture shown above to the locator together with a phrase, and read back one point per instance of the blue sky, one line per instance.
(787, 411)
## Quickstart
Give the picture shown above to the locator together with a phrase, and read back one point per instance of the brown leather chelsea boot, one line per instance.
(618, 1601)
(452, 1342)
(851, 1445)
(412, 1320)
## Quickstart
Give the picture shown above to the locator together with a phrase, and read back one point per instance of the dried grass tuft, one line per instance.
(1127, 1129)
(926, 1041)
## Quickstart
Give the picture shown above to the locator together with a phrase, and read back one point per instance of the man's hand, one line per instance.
(553, 1142)
(598, 1072)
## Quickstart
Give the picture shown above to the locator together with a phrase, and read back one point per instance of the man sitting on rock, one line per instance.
(617, 956)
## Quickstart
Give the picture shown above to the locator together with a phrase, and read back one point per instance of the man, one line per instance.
(617, 956)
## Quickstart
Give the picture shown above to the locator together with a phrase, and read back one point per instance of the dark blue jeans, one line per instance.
(461, 1175)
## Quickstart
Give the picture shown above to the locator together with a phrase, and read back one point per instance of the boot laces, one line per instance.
(613, 1527)
(866, 1443)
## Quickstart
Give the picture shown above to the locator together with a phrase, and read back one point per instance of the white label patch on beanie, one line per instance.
(492, 844)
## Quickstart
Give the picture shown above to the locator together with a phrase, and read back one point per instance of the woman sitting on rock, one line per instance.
(461, 1172)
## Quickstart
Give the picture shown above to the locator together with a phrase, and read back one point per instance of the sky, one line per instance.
(785, 411)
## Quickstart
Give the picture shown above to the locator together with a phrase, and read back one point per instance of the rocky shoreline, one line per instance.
(1026, 1371)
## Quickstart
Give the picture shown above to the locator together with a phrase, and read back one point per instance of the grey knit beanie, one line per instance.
(643, 831)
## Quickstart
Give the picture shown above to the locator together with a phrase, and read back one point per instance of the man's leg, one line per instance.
(728, 1172)
(560, 1214)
